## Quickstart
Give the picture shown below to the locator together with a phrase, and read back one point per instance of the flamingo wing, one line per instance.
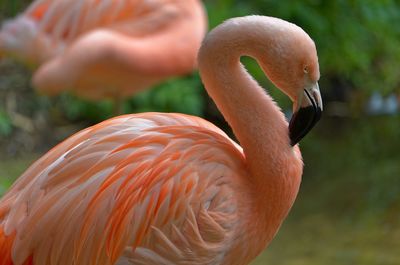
(45, 28)
(66, 20)
(62, 21)
(137, 189)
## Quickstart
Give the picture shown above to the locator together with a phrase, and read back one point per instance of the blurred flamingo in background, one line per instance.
(157, 188)
(105, 48)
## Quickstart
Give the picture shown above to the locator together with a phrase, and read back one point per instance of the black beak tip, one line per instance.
(302, 122)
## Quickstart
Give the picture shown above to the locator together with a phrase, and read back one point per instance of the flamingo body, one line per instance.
(160, 184)
(105, 48)
(170, 189)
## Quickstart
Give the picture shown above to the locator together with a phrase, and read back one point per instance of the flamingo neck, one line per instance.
(274, 166)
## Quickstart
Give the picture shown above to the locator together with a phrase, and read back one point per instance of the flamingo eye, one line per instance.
(305, 69)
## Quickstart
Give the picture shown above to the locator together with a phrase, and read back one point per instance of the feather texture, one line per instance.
(124, 191)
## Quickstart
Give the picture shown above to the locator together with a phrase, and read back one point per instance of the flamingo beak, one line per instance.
(307, 111)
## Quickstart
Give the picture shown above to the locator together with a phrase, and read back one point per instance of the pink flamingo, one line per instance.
(157, 188)
(103, 48)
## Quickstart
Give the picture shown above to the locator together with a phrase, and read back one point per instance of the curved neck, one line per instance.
(274, 167)
(256, 120)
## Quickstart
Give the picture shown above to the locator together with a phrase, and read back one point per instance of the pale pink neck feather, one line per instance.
(274, 166)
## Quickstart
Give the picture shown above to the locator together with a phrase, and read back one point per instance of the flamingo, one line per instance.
(168, 188)
(105, 49)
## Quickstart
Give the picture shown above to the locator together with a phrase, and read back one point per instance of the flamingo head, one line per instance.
(290, 61)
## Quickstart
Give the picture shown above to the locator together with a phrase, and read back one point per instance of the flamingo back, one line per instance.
(137, 189)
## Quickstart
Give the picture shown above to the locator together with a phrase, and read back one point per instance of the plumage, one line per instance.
(105, 48)
(159, 188)
(144, 179)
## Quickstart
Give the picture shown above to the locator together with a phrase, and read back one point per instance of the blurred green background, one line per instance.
(348, 209)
